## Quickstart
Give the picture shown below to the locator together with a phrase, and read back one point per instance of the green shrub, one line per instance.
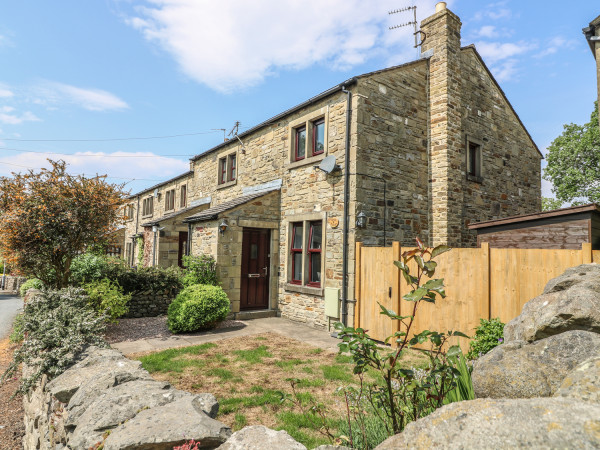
(197, 307)
(90, 267)
(32, 283)
(107, 299)
(464, 384)
(200, 270)
(17, 335)
(59, 325)
(489, 334)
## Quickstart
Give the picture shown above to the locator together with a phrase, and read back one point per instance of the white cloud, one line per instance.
(487, 31)
(91, 99)
(493, 52)
(5, 93)
(494, 11)
(554, 45)
(8, 116)
(121, 168)
(235, 44)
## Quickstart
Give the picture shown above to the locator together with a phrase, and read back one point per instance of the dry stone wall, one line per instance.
(11, 283)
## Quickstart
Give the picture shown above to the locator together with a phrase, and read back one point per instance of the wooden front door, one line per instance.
(183, 237)
(255, 269)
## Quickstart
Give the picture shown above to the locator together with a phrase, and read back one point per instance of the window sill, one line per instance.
(147, 216)
(474, 178)
(305, 161)
(304, 289)
(228, 184)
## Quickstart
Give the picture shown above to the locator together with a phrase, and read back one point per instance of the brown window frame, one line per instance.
(232, 169)
(297, 132)
(295, 250)
(148, 206)
(313, 251)
(315, 124)
(183, 196)
(474, 161)
(170, 200)
(223, 170)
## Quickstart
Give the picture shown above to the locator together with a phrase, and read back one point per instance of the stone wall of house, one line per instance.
(511, 174)
(392, 144)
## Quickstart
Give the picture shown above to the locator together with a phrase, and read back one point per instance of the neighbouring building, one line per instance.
(428, 147)
(566, 228)
(592, 34)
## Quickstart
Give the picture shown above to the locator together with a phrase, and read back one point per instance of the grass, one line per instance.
(251, 378)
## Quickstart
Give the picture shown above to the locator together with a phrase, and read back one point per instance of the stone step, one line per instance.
(260, 314)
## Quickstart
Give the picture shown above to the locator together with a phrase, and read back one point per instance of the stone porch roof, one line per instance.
(213, 213)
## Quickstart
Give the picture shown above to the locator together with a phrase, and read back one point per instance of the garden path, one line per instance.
(309, 335)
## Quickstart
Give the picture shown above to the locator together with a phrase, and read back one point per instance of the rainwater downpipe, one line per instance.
(346, 207)
(189, 240)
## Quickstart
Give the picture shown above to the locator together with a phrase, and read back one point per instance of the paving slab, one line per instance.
(312, 336)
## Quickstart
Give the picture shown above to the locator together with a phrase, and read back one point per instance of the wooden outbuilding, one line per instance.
(565, 228)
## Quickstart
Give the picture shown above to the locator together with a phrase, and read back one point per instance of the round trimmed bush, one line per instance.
(197, 307)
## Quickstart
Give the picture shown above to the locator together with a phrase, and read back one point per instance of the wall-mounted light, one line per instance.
(361, 220)
(223, 226)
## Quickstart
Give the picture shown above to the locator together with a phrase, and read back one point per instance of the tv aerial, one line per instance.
(412, 22)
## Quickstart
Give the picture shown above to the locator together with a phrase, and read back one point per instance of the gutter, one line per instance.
(346, 207)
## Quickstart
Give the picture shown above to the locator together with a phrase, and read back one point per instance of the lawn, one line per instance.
(250, 376)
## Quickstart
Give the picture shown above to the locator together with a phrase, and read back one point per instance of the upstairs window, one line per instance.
(148, 206)
(300, 145)
(128, 212)
(170, 200)
(183, 196)
(227, 169)
(318, 141)
(473, 161)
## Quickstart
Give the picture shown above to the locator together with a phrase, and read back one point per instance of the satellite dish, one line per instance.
(328, 165)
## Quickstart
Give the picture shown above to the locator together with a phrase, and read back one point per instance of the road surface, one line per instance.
(9, 305)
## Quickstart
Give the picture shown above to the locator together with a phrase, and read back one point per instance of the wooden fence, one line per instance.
(480, 283)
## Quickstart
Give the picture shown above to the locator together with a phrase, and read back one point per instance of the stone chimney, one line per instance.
(442, 45)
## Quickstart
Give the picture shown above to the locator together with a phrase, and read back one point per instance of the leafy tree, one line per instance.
(48, 217)
(574, 162)
(549, 203)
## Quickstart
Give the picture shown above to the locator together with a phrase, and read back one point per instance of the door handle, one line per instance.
(390, 292)
(266, 269)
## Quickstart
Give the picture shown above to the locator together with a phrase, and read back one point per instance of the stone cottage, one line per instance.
(592, 34)
(421, 149)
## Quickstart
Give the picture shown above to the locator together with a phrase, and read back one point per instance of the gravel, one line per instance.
(152, 328)
(12, 427)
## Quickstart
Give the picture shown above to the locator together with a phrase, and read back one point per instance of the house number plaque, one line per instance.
(333, 222)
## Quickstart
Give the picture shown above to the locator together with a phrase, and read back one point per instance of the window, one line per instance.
(232, 167)
(306, 261)
(128, 212)
(473, 161)
(170, 200)
(314, 254)
(300, 145)
(183, 196)
(148, 206)
(318, 141)
(308, 138)
(227, 169)
(129, 251)
(296, 250)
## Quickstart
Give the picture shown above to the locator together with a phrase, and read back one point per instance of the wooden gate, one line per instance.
(481, 283)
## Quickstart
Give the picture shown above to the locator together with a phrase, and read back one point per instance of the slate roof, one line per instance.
(213, 213)
(169, 216)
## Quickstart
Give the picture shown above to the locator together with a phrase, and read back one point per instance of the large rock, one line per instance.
(258, 437)
(569, 302)
(92, 364)
(117, 405)
(164, 427)
(521, 370)
(583, 382)
(521, 423)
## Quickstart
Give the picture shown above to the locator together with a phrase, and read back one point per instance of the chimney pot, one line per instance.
(440, 6)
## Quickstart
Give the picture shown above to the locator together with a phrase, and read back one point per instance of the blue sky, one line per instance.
(75, 75)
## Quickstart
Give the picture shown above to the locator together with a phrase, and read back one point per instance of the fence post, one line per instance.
(357, 283)
(396, 296)
(586, 253)
(485, 248)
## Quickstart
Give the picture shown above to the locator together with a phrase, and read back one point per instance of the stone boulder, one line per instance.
(504, 423)
(569, 302)
(258, 437)
(583, 382)
(521, 370)
(164, 427)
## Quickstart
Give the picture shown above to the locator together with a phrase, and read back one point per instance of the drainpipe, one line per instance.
(188, 251)
(155, 230)
(346, 206)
